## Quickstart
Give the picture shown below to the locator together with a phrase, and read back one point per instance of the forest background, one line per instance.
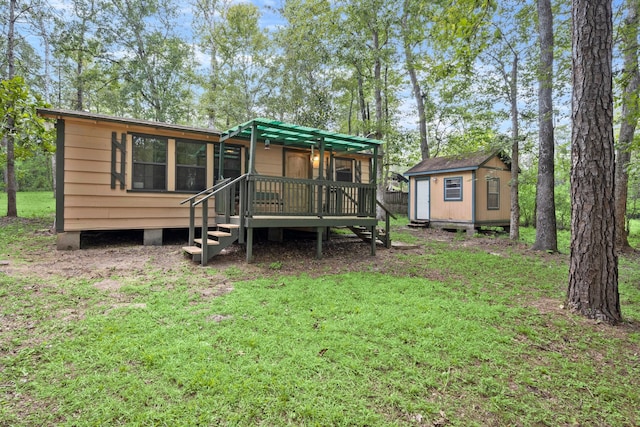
(429, 78)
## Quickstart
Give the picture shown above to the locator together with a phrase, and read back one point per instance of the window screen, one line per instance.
(149, 163)
(453, 188)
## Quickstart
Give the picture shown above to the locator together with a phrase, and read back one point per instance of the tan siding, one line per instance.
(269, 162)
(442, 210)
(74, 165)
(91, 203)
(496, 163)
(482, 213)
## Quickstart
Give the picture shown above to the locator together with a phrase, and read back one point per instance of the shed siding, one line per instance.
(456, 211)
(472, 208)
(482, 213)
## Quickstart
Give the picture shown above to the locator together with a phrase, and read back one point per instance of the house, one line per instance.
(465, 192)
(125, 174)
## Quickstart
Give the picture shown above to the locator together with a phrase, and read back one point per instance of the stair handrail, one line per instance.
(210, 192)
(387, 220)
(224, 185)
(387, 223)
(206, 191)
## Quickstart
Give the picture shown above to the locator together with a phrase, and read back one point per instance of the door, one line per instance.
(297, 196)
(423, 198)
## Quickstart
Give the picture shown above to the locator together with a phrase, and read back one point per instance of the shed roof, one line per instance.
(300, 136)
(455, 163)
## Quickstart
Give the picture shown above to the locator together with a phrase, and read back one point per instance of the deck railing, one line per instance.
(269, 195)
(254, 195)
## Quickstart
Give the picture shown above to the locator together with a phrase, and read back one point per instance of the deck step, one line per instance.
(209, 242)
(228, 226)
(218, 233)
(192, 250)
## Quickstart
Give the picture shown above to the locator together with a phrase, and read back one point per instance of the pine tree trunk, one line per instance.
(593, 264)
(546, 236)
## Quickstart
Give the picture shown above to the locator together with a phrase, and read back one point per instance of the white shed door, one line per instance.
(422, 199)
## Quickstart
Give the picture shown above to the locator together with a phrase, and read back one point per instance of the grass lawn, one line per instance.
(30, 204)
(463, 332)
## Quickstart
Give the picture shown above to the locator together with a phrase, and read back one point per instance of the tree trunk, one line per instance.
(12, 207)
(631, 82)
(546, 236)
(377, 76)
(514, 221)
(417, 91)
(593, 263)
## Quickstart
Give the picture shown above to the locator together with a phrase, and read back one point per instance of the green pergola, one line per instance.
(290, 135)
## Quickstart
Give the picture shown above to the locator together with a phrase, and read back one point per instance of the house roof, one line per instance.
(299, 136)
(455, 163)
(61, 113)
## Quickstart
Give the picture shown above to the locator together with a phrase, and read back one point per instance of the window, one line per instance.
(149, 163)
(453, 188)
(493, 193)
(344, 170)
(232, 161)
(191, 166)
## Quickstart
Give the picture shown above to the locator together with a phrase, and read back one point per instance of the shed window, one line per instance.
(149, 162)
(191, 166)
(493, 193)
(453, 188)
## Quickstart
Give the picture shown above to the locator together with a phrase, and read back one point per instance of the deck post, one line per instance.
(205, 232)
(252, 148)
(249, 245)
(320, 210)
(192, 222)
(373, 240)
(319, 232)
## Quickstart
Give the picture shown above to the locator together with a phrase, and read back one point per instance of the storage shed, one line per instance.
(461, 192)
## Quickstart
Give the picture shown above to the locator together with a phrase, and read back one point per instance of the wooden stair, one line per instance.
(222, 237)
(365, 234)
(419, 223)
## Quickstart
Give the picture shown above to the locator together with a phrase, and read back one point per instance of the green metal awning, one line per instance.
(300, 136)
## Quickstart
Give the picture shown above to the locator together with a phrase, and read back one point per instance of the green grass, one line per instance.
(452, 335)
(30, 204)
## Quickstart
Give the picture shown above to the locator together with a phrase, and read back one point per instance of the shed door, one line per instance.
(422, 199)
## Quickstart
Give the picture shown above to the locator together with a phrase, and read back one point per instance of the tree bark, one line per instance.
(415, 85)
(631, 82)
(12, 207)
(593, 264)
(546, 235)
(514, 221)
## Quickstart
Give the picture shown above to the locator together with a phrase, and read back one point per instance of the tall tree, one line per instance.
(8, 136)
(78, 48)
(629, 118)
(154, 64)
(440, 41)
(593, 264)
(546, 236)
(506, 57)
(304, 70)
(239, 64)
